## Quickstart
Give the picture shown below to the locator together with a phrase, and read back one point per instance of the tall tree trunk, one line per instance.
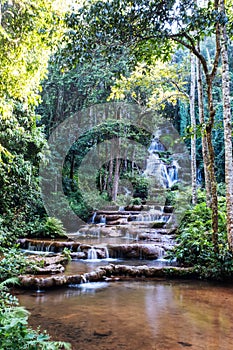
(205, 154)
(106, 169)
(209, 128)
(110, 174)
(227, 130)
(72, 162)
(193, 125)
(116, 172)
(190, 43)
(214, 197)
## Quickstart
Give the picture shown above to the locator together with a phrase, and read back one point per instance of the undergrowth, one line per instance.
(15, 334)
(195, 247)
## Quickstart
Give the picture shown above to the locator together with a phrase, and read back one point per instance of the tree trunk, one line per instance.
(209, 75)
(227, 130)
(209, 128)
(106, 169)
(116, 172)
(205, 154)
(110, 174)
(72, 162)
(193, 125)
(214, 197)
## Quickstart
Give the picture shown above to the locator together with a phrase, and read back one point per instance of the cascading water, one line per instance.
(121, 208)
(103, 220)
(156, 145)
(167, 173)
(93, 218)
(152, 217)
(92, 254)
(106, 253)
(161, 252)
(97, 220)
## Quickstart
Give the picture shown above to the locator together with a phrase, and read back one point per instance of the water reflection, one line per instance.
(134, 315)
(85, 266)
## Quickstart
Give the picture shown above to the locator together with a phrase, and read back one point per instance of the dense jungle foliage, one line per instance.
(56, 61)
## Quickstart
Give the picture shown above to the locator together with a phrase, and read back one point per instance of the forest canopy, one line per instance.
(174, 58)
(88, 90)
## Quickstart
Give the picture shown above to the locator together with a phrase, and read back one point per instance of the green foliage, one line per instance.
(12, 263)
(15, 334)
(152, 85)
(83, 208)
(195, 246)
(28, 35)
(136, 201)
(221, 189)
(52, 227)
(106, 25)
(20, 200)
(140, 186)
(67, 91)
(6, 298)
(14, 330)
(98, 185)
(170, 198)
(66, 253)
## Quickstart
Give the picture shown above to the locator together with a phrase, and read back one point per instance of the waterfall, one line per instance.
(127, 191)
(129, 236)
(92, 254)
(106, 253)
(152, 217)
(167, 173)
(121, 208)
(156, 145)
(93, 217)
(152, 164)
(83, 279)
(49, 248)
(161, 252)
(103, 219)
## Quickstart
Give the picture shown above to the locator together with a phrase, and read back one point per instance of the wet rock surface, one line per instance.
(47, 264)
(143, 233)
(106, 273)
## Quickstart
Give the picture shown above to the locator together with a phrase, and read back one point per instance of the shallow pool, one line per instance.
(160, 315)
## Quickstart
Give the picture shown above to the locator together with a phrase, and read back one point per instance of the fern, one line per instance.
(11, 281)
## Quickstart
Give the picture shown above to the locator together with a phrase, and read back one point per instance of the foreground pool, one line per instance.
(161, 315)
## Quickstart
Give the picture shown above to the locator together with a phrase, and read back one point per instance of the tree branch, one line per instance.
(192, 48)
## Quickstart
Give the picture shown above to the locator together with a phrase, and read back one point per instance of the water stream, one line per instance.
(162, 315)
(167, 172)
(155, 315)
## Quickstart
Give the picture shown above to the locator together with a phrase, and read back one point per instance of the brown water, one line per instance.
(158, 315)
(85, 266)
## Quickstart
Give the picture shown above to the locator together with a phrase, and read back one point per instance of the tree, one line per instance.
(153, 27)
(68, 90)
(203, 136)
(190, 41)
(227, 120)
(27, 38)
(151, 85)
(193, 126)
